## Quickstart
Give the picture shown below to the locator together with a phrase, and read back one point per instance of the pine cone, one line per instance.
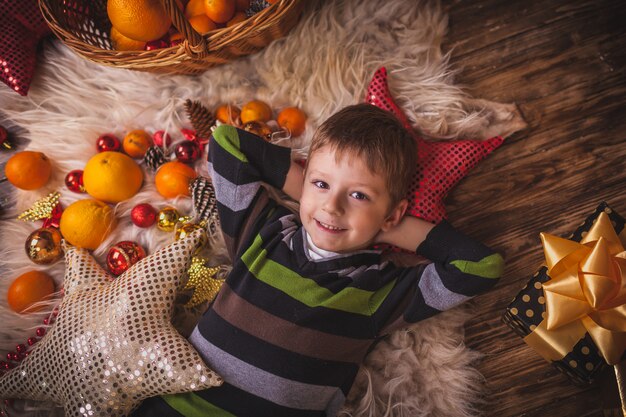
(256, 6)
(201, 118)
(154, 157)
(204, 202)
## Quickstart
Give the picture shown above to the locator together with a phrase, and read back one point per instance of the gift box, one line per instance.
(552, 312)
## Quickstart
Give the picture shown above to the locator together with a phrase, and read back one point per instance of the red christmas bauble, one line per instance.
(188, 152)
(143, 215)
(123, 255)
(55, 217)
(4, 138)
(189, 134)
(74, 181)
(157, 44)
(161, 138)
(192, 135)
(108, 142)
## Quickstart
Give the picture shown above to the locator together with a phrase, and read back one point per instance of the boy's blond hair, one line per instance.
(378, 138)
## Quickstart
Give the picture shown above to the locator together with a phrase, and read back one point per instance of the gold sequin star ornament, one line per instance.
(112, 344)
(205, 281)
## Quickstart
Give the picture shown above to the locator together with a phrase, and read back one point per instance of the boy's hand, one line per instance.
(294, 181)
(408, 234)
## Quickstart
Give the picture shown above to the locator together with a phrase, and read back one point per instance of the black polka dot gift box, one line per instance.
(573, 310)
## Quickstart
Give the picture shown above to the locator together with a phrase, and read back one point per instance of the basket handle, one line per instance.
(196, 46)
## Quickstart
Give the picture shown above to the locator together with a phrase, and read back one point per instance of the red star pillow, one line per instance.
(440, 165)
(22, 27)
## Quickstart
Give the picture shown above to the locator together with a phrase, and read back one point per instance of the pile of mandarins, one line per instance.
(145, 24)
(255, 114)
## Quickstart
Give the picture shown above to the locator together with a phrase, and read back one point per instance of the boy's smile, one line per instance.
(344, 205)
(329, 228)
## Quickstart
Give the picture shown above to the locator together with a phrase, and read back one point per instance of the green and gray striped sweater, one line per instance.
(287, 332)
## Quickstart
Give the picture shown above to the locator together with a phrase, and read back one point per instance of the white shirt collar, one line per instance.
(314, 252)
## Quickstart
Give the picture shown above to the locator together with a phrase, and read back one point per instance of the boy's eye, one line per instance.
(320, 184)
(358, 195)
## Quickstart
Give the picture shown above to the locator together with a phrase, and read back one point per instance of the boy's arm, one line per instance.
(463, 264)
(461, 268)
(294, 181)
(408, 234)
(238, 162)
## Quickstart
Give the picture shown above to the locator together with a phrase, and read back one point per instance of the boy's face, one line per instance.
(344, 205)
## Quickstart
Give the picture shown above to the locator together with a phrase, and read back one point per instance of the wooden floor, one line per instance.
(564, 63)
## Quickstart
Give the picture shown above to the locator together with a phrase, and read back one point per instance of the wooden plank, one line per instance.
(564, 63)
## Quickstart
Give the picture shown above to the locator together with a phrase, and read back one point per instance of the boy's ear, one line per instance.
(396, 215)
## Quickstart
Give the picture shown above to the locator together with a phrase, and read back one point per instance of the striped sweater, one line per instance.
(287, 332)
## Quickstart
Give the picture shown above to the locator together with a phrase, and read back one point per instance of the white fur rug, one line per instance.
(323, 65)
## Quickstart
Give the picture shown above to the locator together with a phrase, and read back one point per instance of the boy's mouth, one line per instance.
(327, 227)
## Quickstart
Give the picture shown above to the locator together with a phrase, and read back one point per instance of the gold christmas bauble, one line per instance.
(186, 229)
(260, 129)
(167, 219)
(43, 246)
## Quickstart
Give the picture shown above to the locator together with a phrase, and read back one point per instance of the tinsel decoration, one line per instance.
(154, 157)
(205, 281)
(201, 118)
(205, 203)
(43, 208)
(256, 6)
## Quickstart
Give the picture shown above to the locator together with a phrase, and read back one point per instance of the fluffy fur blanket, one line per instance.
(323, 65)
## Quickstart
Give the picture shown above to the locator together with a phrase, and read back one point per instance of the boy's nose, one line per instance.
(332, 205)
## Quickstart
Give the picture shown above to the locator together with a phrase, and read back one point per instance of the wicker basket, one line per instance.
(84, 26)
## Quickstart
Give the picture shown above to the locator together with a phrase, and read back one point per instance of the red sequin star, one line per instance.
(22, 27)
(440, 165)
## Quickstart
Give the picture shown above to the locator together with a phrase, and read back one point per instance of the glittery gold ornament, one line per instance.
(205, 281)
(112, 344)
(260, 129)
(42, 209)
(43, 246)
(186, 229)
(168, 218)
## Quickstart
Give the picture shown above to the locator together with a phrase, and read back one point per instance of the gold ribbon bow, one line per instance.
(586, 294)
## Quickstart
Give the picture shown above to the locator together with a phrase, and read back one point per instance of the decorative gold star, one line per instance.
(112, 344)
(204, 282)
